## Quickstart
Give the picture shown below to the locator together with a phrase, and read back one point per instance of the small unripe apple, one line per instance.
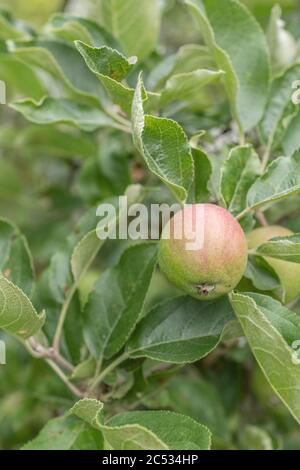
(209, 258)
(288, 273)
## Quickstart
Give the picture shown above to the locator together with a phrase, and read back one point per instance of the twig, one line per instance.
(118, 118)
(65, 379)
(62, 317)
(61, 360)
(42, 353)
(38, 351)
(122, 128)
(243, 213)
(108, 369)
(242, 138)
(261, 218)
(121, 123)
(265, 158)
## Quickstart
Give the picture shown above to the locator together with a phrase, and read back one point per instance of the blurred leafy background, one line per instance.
(230, 394)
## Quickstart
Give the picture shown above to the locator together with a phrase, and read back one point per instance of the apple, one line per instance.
(209, 258)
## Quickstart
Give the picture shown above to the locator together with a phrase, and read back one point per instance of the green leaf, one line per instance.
(285, 248)
(16, 260)
(151, 430)
(116, 304)
(12, 29)
(187, 86)
(164, 146)
(229, 32)
(261, 274)
(107, 173)
(84, 252)
(63, 111)
(113, 160)
(177, 431)
(7, 231)
(17, 314)
(189, 58)
(199, 399)
(281, 179)
(90, 411)
(110, 66)
(20, 265)
(239, 172)
(72, 28)
(22, 79)
(73, 330)
(68, 29)
(65, 74)
(255, 438)
(181, 330)
(106, 62)
(123, 437)
(203, 174)
(135, 23)
(88, 246)
(59, 275)
(282, 45)
(291, 136)
(83, 428)
(66, 433)
(272, 331)
(279, 106)
(55, 142)
(85, 369)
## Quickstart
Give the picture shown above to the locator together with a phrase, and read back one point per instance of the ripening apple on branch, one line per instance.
(217, 264)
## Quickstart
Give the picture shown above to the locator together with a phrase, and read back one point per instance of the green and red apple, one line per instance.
(210, 257)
